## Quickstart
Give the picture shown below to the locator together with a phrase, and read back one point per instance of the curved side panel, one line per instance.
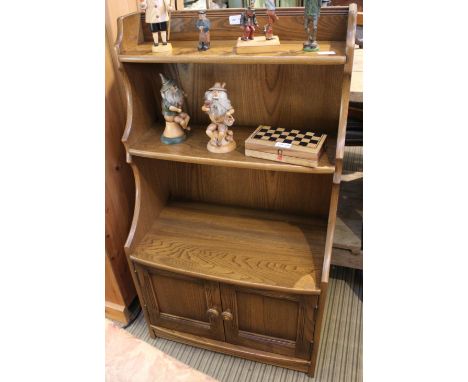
(128, 32)
(128, 122)
(136, 211)
(151, 194)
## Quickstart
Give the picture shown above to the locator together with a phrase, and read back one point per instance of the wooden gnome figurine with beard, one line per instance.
(172, 105)
(219, 109)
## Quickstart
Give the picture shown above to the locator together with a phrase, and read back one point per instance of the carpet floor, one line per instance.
(340, 352)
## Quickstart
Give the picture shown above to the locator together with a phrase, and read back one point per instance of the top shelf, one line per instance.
(221, 52)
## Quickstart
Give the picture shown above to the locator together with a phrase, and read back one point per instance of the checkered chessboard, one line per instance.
(294, 137)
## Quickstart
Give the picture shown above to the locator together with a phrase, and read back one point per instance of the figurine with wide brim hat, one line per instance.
(172, 105)
(218, 107)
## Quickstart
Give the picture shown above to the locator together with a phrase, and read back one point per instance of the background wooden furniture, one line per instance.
(121, 299)
(228, 252)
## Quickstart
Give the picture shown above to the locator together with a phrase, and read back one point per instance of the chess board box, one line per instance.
(300, 147)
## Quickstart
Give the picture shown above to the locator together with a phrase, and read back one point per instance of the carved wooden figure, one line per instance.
(311, 16)
(203, 25)
(272, 18)
(218, 107)
(157, 15)
(249, 22)
(172, 104)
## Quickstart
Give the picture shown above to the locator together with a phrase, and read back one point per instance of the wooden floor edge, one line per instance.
(231, 349)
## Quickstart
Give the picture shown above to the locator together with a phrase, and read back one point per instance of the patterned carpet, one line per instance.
(340, 353)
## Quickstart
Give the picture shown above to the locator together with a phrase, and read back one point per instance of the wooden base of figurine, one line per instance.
(311, 47)
(162, 48)
(221, 149)
(173, 134)
(258, 45)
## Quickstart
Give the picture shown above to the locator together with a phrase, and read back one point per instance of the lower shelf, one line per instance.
(245, 247)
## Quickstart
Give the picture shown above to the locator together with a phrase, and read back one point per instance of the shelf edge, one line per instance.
(273, 166)
(277, 288)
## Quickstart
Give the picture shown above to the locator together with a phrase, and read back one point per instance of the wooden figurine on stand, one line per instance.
(218, 107)
(172, 104)
(271, 13)
(311, 15)
(158, 16)
(248, 23)
(250, 44)
(203, 25)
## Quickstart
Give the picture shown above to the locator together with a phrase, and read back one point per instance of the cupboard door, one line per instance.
(181, 303)
(269, 321)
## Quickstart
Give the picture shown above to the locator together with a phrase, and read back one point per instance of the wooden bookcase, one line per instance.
(232, 253)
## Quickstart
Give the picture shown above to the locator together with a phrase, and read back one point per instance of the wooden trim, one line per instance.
(348, 69)
(236, 350)
(225, 281)
(318, 328)
(330, 232)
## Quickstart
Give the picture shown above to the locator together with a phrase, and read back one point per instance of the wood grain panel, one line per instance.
(266, 321)
(332, 24)
(267, 315)
(216, 243)
(178, 302)
(180, 297)
(268, 190)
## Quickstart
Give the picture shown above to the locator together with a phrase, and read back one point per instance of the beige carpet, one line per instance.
(340, 353)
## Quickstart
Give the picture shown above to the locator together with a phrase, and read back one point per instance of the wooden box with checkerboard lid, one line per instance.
(300, 147)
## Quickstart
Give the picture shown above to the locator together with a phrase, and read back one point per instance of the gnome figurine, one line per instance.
(219, 109)
(172, 106)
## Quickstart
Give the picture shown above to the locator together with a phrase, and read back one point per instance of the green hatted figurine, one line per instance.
(172, 109)
(311, 15)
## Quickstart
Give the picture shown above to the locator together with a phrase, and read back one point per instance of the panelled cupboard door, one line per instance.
(269, 321)
(181, 303)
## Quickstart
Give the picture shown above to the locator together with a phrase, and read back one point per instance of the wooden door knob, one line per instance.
(227, 315)
(212, 312)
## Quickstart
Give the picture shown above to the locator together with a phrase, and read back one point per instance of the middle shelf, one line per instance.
(249, 247)
(193, 150)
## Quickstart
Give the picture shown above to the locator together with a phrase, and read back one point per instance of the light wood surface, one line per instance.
(259, 44)
(193, 150)
(245, 247)
(222, 52)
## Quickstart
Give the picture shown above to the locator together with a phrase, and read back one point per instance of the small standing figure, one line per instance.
(248, 23)
(271, 13)
(172, 105)
(157, 15)
(203, 25)
(311, 15)
(218, 107)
